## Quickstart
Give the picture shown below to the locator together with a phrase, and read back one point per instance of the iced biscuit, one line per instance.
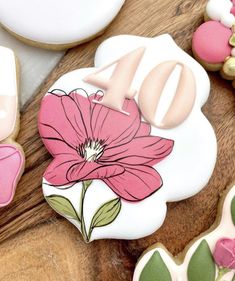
(11, 154)
(126, 136)
(56, 24)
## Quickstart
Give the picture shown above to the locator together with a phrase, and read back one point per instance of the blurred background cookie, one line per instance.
(57, 24)
(214, 41)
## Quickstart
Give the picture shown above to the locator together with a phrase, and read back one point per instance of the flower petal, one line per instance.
(74, 115)
(80, 115)
(92, 170)
(114, 127)
(144, 130)
(143, 150)
(56, 131)
(136, 183)
(65, 119)
(56, 173)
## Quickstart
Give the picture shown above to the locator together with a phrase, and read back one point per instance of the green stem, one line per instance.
(222, 272)
(85, 186)
(89, 233)
(233, 278)
(83, 225)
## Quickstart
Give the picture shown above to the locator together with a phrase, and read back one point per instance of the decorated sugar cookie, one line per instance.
(57, 24)
(214, 41)
(11, 154)
(126, 136)
(209, 258)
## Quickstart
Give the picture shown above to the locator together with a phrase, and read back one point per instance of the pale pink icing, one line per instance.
(8, 112)
(11, 165)
(211, 42)
(182, 102)
(119, 87)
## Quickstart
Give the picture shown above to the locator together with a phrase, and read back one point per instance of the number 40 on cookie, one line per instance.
(118, 87)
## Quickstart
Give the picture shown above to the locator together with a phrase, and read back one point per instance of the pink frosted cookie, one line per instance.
(125, 136)
(210, 257)
(214, 41)
(11, 154)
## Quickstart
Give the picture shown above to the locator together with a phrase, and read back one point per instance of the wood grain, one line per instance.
(36, 244)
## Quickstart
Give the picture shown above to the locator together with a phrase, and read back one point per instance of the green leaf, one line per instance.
(233, 210)
(107, 213)
(155, 270)
(201, 266)
(232, 41)
(62, 206)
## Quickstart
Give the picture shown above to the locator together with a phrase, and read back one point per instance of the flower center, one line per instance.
(91, 150)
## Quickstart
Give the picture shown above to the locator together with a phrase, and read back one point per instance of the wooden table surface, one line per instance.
(37, 244)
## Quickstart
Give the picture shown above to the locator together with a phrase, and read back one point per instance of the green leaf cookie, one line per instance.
(201, 266)
(155, 269)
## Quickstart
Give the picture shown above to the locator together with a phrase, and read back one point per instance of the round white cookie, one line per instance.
(57, 24)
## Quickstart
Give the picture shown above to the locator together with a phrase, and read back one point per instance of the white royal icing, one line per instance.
(58, 22)
(178, 272)
(219, 10)
(184, 172)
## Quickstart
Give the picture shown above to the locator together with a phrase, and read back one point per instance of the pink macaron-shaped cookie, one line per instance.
(211, 42)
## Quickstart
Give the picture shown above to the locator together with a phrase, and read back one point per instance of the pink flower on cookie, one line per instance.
(224, 254)
(90, 141)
